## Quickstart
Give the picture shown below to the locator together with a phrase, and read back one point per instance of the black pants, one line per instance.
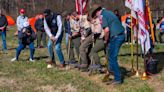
(41, 36)
(128, 35)
(160, 37)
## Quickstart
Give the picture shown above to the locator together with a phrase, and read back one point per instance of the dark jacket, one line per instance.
(27, 39)
(3, 21)
(67, 26)
(39, 25)
(52, 21)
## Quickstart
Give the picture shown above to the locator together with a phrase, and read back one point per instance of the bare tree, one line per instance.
(33, 4)
(33, 7)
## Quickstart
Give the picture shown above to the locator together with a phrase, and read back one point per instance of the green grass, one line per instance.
(25, 76)
(30, 77)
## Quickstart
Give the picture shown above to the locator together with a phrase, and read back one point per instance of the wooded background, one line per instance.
(33, 7)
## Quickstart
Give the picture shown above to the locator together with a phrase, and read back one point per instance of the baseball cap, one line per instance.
(22, 11)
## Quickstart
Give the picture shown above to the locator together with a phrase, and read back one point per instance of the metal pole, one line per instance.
(132, 47)
(137, 72)
(144, 76)
(150, 20)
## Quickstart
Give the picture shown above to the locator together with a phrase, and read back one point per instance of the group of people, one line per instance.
(88, 34)
(156, 26)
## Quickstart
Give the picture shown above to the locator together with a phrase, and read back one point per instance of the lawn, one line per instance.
(24, 76)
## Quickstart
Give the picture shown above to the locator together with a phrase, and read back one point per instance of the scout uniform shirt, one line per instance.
(75, 25)
(97, 28)
(85, 25)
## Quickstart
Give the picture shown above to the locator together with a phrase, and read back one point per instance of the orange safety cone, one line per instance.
(144, 76)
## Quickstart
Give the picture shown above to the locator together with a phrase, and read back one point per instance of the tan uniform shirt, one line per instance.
(84, 22)
(97, 28)
(75, 25)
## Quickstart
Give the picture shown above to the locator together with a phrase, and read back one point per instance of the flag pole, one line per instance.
(137, 69)
(137, 72)
(144, 75)
(150, 19)
(132, 47)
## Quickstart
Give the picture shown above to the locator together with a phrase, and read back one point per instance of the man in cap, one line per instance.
(111, 24)
(27, 37)
(21, 19)
(53, 28)
(3, 26)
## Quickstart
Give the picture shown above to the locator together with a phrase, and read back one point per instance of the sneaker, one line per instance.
(32, 60)
(14, 59)
(49, 66)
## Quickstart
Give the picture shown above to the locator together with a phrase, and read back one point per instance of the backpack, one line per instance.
(151, 65)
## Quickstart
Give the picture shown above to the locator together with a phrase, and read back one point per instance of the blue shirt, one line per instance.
(162, 26)
(109, 19)
(128, 22)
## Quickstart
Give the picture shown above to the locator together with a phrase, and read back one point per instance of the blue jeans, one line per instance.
(58, 50)
(22, 46)
(3, 34)
(114, 46)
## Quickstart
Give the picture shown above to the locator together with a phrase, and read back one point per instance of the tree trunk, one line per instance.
(33, 5)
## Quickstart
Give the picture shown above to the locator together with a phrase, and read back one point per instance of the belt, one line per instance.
(117, 35)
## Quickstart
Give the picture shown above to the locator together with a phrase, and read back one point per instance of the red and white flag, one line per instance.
(81, 6)
(138, 7)
(131, 4)
(144, 36)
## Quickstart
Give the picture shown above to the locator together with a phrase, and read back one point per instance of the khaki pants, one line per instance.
(83, 49)
(99, 46)
(75, 43)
